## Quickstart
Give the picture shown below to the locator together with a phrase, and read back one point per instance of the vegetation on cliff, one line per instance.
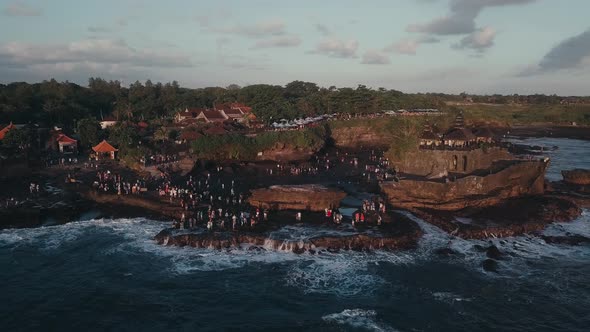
(240, 147)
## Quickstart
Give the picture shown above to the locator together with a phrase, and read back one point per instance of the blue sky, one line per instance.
(477, 46)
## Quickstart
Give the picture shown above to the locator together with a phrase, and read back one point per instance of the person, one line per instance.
(298, 216)
(379, 219)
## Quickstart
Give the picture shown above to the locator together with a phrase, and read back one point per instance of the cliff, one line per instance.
(435, 163)
(517, 178)
(300, 197)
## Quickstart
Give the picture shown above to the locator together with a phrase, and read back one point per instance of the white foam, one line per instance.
(449, 297)
(359, 319)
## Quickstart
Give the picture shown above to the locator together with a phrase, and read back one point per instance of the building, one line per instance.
(108, 121)
(66, 145)
(459, 138)
(104, 150)
(429, 139)
(211, 116)
(188, 114)
(485, 135)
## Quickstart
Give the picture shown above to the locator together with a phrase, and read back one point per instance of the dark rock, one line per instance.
(494, 252)
(445, 252)
(577, 177)
(573, 240)
(490, 265)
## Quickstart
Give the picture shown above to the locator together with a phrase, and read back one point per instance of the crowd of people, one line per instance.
(107, 182)
(159, 159)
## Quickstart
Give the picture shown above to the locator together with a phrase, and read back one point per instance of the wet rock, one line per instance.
(446, 252)
(573, 240)
(490, 265)
(494, 253)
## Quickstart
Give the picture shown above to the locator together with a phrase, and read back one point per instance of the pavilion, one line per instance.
(104, 150)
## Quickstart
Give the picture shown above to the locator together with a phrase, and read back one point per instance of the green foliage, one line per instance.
(89, 132)
(125, 138)
(18, 139)
(240, 147)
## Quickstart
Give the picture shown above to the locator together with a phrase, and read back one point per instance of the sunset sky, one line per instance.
(477, 46)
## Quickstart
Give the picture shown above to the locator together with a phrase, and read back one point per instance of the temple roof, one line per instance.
(104, 147)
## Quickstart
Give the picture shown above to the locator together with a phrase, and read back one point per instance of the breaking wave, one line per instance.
(358, 319)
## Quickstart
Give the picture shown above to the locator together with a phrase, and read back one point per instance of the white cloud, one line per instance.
(280, 41)
(375, 57)
(322, 28)
(406, 46)
(19, 8)
(479, 40)
(337, 48)
(88, 52)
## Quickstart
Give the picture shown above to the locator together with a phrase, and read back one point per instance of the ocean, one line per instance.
(108, 274)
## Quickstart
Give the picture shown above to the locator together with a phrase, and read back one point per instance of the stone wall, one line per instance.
(299, 197)
(435, 163)
(517, 179)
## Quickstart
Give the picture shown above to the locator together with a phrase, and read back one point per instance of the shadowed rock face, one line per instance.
(512, 218)
(519, 178)
(577, 176)
(302, 197)
(224, 240)
(231, 240)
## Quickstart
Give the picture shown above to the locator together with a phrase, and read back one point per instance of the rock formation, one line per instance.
(481, 189)
(579, 177)
(310, 197)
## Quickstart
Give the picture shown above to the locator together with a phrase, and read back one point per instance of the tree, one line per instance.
(18, 139)
(89, 132)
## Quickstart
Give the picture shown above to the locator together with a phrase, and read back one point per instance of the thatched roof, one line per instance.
(460, 134)
(484, 132)
(429, 135)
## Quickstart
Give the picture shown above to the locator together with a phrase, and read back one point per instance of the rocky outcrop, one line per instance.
(431, 163)
(517, 178)
(283, 153)
(579, 177)
(308, 197)
(401, 234)
(512, 218)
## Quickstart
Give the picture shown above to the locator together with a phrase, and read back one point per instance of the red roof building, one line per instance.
(104, 150)
(212, 116)
(66, 145)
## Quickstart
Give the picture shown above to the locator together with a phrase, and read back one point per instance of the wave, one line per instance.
(358, 319)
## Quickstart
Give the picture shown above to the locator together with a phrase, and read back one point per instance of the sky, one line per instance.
(451, 46)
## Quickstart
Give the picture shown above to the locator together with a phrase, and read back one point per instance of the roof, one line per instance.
(213, 115)
(233, 112)
(103, 147)
(190, 135)
(6, 130)
(65, 139)
(143, 124)
(215, 130)
(460, 134)
(427, 134)
(484, 132)
(109, 118)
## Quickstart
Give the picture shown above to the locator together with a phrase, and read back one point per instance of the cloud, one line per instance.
(322, 28)
(461, 19)
(280, 41)
(19, 8)
(406, 46)
(479, 40)
(410, 46)
(90, 53)
(337, 48)
(258, 30)
(375, 57)
(570, 53)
